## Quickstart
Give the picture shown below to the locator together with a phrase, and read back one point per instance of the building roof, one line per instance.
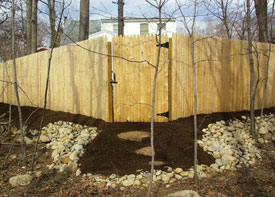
(113, 20)
(71, 30)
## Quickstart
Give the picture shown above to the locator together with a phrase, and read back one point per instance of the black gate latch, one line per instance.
(165, 45)
(165, 114)
(113, 79)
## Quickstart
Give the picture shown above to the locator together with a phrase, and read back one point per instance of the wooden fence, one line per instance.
(133, 92)
(80, 79)
(222, 75)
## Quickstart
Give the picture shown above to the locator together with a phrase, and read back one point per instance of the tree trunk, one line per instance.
(51, 7)
(261, 12)
(225, 18)
(28, 33)
(153, 109)
(267, 72)
(120, 18)
(34, 27)
(84, 20)
(252, 72)
(23, 145)
(195, 107)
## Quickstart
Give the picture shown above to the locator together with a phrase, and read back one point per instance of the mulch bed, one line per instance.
(108, 154)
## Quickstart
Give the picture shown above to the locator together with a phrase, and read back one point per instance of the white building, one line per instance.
(140, 26)
(109, 27)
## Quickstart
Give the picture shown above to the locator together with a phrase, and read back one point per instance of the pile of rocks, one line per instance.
(231, 145)
(67, 139)
(141, 178)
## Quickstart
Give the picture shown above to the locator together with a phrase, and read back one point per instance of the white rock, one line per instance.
(261, 140)
(112, 176)
(137, 183)
(171, 174)
(202, 175)
(263, 130)
(178, 170)
(20, 180)
(139, 177)
(28, 140)
(177, 176)
(131, 178)
(78, 172)
(126, 183)
(231, 128)
(184, 173)
(73, 156)
(184, 193)
(55, 154)
(191, 174)
(165, 178)
(122, 188)
(216, 155)
(158, 172)
(227, 159)
(169, 169)
(226, 151)
(81, 141)
(77, 147)
(44, 138)
(63, 130)
(218, 162)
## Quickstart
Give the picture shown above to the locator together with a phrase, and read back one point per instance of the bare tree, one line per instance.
(252, 72)
(261, 12)
(120, 18)
(52, 14)
(29, 29)
(21, 31)
(23, 145)
(224, 11)
(191, 30)
(3, 9)
(55, 8)
(34, 26)
(267, 68)
(84, 20)
(47, 86)
(159, 6)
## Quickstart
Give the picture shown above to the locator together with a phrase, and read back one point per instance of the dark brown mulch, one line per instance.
(107, 154)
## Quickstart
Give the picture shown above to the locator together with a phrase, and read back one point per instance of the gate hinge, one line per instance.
(165, 45)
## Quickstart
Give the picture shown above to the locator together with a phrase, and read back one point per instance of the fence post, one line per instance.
(170, 110)
(110, 87)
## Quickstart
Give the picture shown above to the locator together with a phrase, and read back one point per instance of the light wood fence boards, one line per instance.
(133, 92)
(80, 79)
(222, 75)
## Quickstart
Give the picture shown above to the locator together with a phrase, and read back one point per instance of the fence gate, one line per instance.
(133, 86)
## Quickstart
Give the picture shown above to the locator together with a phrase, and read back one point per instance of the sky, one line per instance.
(108, 8)
(132, 8)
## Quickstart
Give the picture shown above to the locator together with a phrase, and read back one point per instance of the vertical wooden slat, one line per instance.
(110, 87)
(170, 75)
